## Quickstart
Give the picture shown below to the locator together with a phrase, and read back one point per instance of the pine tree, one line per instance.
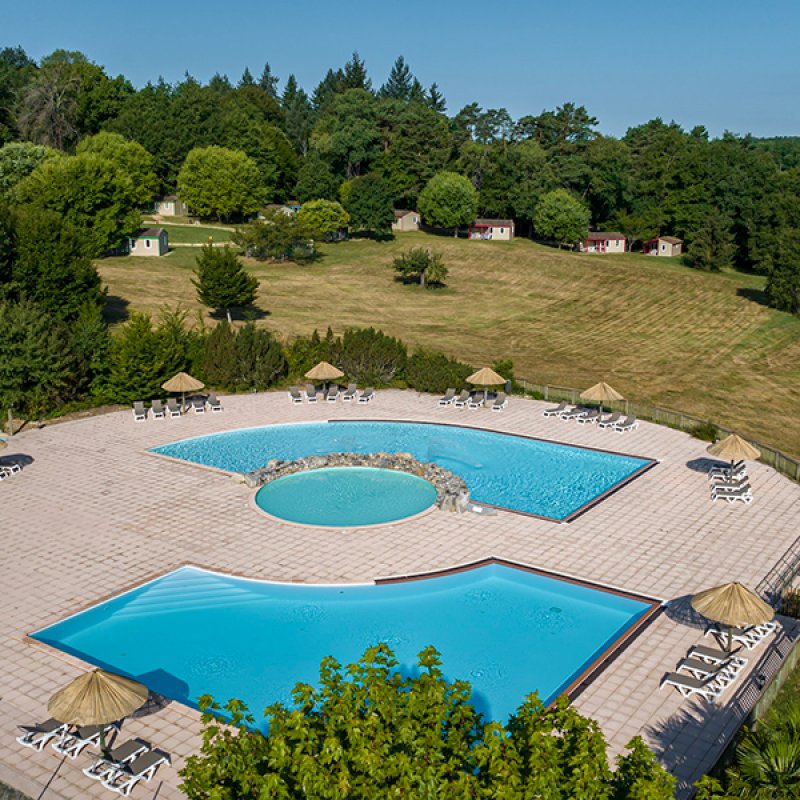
(247, 78)
(269, 82)
(712, 247)
(398, 85)
(355, 74)
(222, 281)
(327, 89)
(436, 99)
(299, 115)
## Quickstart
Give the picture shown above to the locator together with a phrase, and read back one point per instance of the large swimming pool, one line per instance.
(507, 631)
(529, 475)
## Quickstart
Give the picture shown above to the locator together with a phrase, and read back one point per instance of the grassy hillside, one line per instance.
(657, 331)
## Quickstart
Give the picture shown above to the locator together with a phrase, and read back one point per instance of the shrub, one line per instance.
(371, 357)
(428, 371)
(421, 265)
(705, 431)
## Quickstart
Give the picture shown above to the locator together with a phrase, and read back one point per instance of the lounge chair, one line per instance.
(732, 494)
(448, 398)
(738, 470)
(500, 402)
(3, 475)
(477, 400)
(294, 395)
(350, 393)
(711, 654)
(589, 418)
(139, 411)
(687, 685)
(157, 409)
(751, 637)
(462, 399)
(332, 395)
(628, 424)
(73, 744)
(198, 405)
(12, 468)
(116, 759)
(37, 736)
(142, 768)
(367, 395)
(726, 672)
(610, 421)
(173, 409)
(213, 403)
(557, 411)
(733, 483)
(573, 413)
(311, 393)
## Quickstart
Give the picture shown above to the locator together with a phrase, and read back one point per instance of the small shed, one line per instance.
(149, 242)
(405, 220)
(492, 229)
(603, 242)
(170, 206)
(663, 246)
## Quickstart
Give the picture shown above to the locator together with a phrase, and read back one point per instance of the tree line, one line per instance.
(734, 200)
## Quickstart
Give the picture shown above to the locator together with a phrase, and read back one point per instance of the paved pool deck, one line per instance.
(93, 513)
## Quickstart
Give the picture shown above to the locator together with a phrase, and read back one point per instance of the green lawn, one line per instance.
(195, 234)
(656, 330)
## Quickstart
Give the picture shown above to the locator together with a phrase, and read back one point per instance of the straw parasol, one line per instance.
(733, 605)
(324, 372)
(486, 377)
(97, 698)
(601, 393)
(182, 382)
(734, 448)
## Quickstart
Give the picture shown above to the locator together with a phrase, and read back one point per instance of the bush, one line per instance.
(428, 371)
(371, 357)
(420, 265)
(705, 431)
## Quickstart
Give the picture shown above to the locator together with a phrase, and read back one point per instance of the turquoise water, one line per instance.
(192, 632)
(342, 497)
(530, 475)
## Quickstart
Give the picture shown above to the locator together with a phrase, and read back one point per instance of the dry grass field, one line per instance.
(657, 331)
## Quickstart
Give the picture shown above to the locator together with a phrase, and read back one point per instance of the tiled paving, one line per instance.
(93, 513)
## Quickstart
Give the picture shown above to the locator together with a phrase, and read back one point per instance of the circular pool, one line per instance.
(346, 497)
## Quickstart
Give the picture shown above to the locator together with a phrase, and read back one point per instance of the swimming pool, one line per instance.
(341, 497)
(533, 476)
(507, 631)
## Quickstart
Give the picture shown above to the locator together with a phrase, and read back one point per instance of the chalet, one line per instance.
(603, 242)
(494, 229)
(405, 220)
(663, 246)
(170, 206)
(149, 242)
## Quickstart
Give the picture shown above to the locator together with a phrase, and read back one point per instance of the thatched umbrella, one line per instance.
(182, 382)
(97, 698)
(486, 377)
(733, 605)
(601, 393)
(734, 448)
(324, 372)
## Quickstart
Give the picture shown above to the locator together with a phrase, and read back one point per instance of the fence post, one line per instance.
(546, 392)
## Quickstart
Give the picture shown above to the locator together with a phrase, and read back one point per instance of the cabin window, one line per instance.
(502, 230)
(147, 243)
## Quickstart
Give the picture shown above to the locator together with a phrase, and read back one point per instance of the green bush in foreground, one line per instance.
(371, 732)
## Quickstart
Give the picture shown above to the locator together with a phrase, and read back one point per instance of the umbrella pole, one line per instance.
(103, 739)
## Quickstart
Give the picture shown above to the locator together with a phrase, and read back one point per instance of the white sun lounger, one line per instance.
(731, 495)
(73, 744)
(157, 408)
(448, 398)
(500, 402)
(711, 654)
(332, 395)
(462, 399)
(198, 405)
(214, 404)
(476, 401)
(142, 768)
(294, 395)
(139, 411)
(350, 393)
(610, 421)
(117, 758)
(749, 637)
(367, 395)
(557, 411)
(738, 470)
(311, 393)
(628, 424)
(573, 413)
(589, 418)
(37, 736)
(173, 409)
(725, 671)
(709, 688)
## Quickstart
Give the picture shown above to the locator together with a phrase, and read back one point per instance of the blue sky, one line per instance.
(727, 64)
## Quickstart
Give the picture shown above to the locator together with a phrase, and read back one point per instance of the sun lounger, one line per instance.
(726, 672)
(294, 395)
(738, 470)
(311, 393)
(711, 654)
(3, 474)
(687, 685)
(198, 405)
(332, 395)
(157, 407)
(448, 398)
(12, 468)
(73, 744)
(213, 403)
(37, 736)
(477, 400)
(751, 637)
(731, 494)
(173, 409)
(349, 394)
(573, 413)
(116, 759)
(733, 483)
(557, 411)
(139, 411)
(589, 418)
(142, 768)
(367, 395)
(628, 424)
(462, 399)
(500, 402)
(610, 421)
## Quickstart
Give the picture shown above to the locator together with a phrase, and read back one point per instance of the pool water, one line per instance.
(341, 497)
(192, 632)
(530, 475)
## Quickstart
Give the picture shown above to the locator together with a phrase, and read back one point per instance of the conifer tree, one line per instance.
(355, 74)
(436, 99)
(247, 78)
(222, 281)
(399, 83)
(269, 82)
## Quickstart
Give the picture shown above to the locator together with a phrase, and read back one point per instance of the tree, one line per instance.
(269, 82)
(17, 161)
(259, 359)
(399, 83)
(559, 217)
(299, 115)
(136, 369)
(420, 264)
(448, 200)
(222, 281)
(711, 247)
(279, 236)
(247, 78)
(783, 281)
(354, 75)
(435, 99)
(323, 218)
(369, 204)
(220, 183)
(315, 180)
